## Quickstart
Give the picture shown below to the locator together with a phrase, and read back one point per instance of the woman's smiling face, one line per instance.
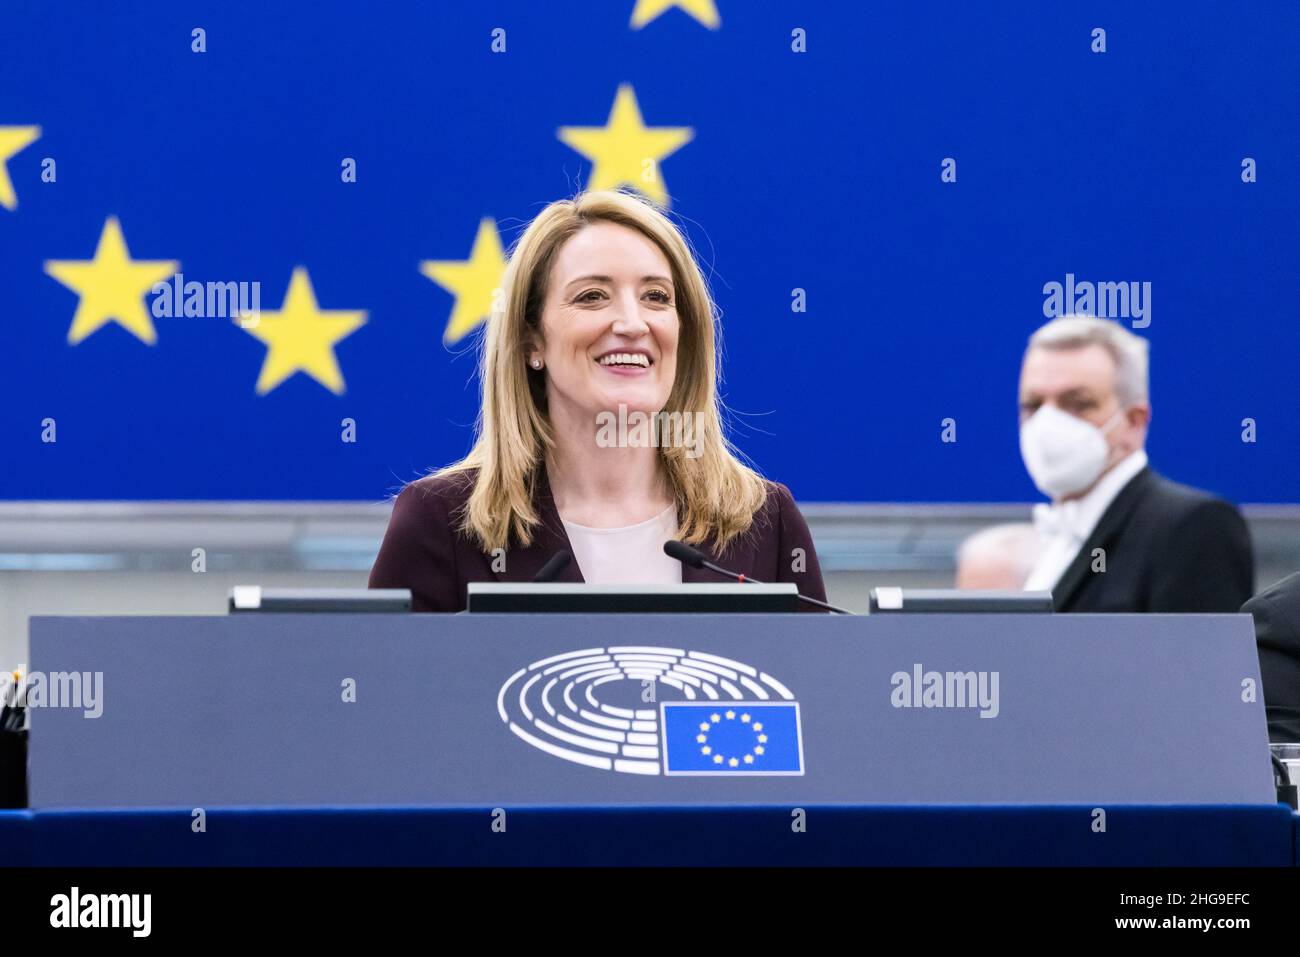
(610, 325)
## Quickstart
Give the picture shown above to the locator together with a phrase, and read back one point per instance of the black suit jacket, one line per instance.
(1168, 548)
(425, 551)
(1277, 635)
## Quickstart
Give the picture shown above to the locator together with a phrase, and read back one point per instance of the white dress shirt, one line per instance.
(1065, 526)
(631, 555)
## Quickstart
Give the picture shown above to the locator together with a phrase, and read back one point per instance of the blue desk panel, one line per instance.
(552, 710)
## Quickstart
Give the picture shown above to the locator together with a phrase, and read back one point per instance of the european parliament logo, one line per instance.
(651, 710)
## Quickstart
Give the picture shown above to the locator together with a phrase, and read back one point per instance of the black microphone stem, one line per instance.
(746, 580)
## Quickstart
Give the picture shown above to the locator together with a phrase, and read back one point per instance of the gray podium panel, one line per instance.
(641, 709)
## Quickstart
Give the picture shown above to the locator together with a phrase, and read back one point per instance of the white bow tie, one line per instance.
(1058, 521)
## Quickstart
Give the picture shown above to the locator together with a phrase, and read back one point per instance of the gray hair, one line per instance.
(1015, 544)
(1128, 351)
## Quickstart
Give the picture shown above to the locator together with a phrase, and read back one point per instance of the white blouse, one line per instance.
(631, 555)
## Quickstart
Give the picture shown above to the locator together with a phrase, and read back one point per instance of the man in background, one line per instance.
(1277, 636)
(998, 557)
(1117, 536)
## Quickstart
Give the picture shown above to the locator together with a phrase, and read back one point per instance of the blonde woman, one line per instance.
(599, 433)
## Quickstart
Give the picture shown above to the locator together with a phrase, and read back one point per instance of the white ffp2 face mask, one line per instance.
(1063, 453)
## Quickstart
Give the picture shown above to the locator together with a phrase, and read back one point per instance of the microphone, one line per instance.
(689, 555)
(685, 554)
(553, 567)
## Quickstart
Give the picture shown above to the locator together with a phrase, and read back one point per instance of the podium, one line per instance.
(653, 739)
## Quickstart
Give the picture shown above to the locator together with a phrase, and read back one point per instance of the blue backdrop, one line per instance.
(818, 170)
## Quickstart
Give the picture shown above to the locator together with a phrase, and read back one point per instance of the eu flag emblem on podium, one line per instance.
(736, 737)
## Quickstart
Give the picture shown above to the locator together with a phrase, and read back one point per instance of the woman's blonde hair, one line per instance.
(717, 495)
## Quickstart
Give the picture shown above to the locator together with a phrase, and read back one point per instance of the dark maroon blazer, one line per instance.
(424, 550)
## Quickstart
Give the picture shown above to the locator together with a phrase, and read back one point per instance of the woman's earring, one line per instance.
(536, 363)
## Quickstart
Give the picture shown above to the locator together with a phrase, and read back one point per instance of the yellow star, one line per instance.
(111, 286)
(717, 759)
(13, 139)
(749, 759)
(301, 337)
(731, 716)
(625, 150)
(474, 282)
(703, 10)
